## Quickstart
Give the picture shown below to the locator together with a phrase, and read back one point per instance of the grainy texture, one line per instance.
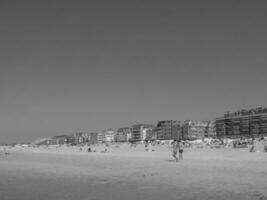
(132, 173)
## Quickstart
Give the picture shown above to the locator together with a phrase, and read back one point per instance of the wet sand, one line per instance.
(132, 173)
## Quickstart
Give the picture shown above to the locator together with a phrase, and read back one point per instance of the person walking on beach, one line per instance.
(175, 150)
(181, 150)
(252, 148)
(146, 145)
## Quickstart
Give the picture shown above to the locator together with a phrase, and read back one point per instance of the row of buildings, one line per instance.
(242, 123)
(164, 130)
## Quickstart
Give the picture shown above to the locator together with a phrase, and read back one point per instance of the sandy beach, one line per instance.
(132, 173)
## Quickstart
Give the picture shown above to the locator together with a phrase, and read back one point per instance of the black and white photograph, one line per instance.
(133, 100)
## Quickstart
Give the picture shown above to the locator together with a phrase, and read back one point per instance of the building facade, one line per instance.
(109, 135)
(100, 138)
(151, 134)
(123, 134)
(139, 132)
(93, 139)
(196, 129)
(211, 129)
(81, 138)
(168, 130)
(245, 123)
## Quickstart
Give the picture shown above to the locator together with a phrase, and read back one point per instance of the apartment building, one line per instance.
(100, 138)
(123, 134)
(245, 123)
(109, 135)
(139, 131)
(168, 130)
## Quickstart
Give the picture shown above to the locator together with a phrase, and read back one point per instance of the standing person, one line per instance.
(252, 148)
(175, 150)
(149, 146)
(181, 150)
(265, 147)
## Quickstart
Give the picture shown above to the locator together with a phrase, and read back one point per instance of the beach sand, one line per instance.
(132, 173)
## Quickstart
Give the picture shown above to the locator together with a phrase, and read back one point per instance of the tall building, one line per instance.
(195, 129)
(45, 141)
(123, 134)
(100, 138)
(78, 137)
(93, 137)
(145, 133)
(246, 123)
(151, 134)
(168, 130)
(81, 138)
(63, 139)
(109, 135)
(139, 131)
(211, 129)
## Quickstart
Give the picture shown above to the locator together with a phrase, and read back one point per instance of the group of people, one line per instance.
(177, 146)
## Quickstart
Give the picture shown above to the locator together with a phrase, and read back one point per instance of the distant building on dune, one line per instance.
(63, 139)
(139, 131)
(79, 138)
(242, 123)
(168, 130)
(45, 141)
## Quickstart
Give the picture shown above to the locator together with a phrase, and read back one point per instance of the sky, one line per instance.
(69, 66)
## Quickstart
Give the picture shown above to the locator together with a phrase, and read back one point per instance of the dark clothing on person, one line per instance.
(175, 150)
(181, 150)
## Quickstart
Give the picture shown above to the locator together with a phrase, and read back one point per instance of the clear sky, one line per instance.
(68, 66)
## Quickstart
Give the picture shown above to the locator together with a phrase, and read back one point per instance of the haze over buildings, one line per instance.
(68, 66)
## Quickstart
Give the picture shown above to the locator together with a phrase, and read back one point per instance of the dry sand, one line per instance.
(132, 173)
